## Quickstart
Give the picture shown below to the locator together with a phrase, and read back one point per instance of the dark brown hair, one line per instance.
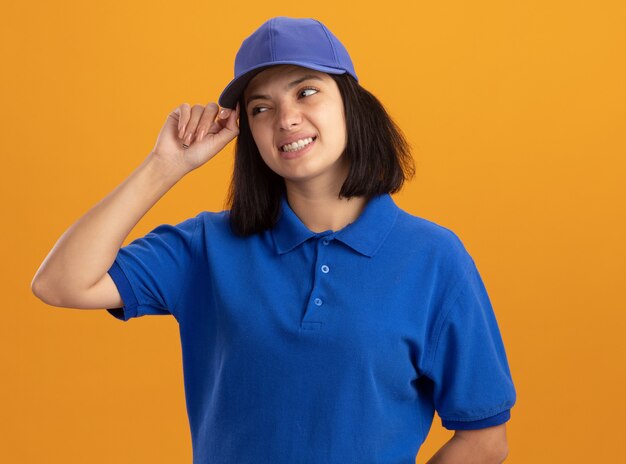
(379, 156)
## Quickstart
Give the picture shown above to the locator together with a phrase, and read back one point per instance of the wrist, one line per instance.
(166, 169)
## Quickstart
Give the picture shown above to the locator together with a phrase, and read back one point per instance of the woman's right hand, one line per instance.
(198, 128)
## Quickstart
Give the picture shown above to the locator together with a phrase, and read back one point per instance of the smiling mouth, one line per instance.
(296, 146)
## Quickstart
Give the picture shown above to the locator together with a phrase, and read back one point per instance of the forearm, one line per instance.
(85, 252)
(461, 451)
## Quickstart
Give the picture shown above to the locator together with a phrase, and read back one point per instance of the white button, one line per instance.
(325, 269)
(325, 241)
(317, 301)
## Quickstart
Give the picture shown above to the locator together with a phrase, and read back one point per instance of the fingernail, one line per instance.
(223, 113)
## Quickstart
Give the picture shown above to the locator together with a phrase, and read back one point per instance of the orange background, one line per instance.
(516, 112)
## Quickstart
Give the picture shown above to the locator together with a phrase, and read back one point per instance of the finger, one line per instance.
(228, 129)
(185, 113)
(214, 128)
(206, 120)
(224, 113)
(175, 116)
(231, 123)
(221, 124)
(192, 125)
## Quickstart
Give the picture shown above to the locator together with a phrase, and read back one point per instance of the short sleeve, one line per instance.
(468, 366)
(151, 271)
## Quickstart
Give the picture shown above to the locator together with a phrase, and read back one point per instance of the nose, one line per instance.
(288, 116)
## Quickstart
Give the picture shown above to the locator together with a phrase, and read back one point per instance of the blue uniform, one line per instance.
(333, 347)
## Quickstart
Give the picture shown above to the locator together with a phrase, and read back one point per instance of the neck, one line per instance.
(323, 210)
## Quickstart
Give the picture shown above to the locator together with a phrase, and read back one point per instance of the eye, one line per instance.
(257, 110)
(306, 89)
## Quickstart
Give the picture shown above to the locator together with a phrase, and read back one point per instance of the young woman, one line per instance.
(319, 322)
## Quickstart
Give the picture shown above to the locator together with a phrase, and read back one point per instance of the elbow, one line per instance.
(37, 288)
(42, 291)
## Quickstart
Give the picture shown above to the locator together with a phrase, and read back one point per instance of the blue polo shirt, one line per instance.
(333, 347)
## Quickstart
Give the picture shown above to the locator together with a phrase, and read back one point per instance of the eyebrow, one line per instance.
(287, 87)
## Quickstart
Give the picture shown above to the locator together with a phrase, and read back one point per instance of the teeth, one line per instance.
(295, 146)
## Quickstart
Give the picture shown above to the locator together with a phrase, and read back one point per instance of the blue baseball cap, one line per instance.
(302, 42)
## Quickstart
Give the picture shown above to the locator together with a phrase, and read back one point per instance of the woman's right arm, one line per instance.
(74, 274)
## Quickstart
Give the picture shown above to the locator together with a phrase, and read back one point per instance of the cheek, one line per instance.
(343, 125)
(257, 140)
(264, 145)
(341, 129)
(338, 123)
(260, 139)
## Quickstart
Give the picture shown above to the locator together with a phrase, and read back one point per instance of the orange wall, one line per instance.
(516, 112)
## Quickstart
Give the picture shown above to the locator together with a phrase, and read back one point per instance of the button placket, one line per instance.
(324, 268)
(318, 301)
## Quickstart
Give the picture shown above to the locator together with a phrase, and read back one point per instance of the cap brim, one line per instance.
(232, 92)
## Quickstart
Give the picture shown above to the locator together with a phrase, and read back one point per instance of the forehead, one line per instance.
(280, 74)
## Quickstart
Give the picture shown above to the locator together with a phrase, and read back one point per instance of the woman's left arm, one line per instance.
(482, 446)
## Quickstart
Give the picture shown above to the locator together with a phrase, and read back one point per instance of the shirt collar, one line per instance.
(365, 235)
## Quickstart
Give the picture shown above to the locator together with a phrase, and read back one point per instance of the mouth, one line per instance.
(298, 145)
